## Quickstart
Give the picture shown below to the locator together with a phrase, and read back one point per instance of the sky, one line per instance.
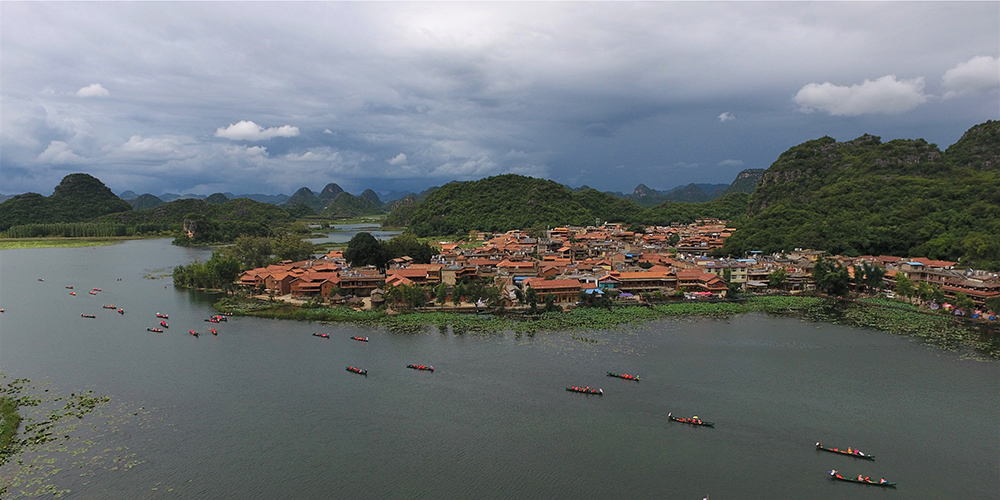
(258, 97)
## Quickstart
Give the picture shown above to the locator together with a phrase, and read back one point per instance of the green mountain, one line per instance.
(329, 193)
(306, 197)
(217, 198)
(145, 201)
(746, 181)
(371, 196)
(401, 212)
(902, 197)
(347, 205)
(78, 198)
(607, 208)
(216, 222)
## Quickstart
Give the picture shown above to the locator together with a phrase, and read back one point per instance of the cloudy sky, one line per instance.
(268, 97)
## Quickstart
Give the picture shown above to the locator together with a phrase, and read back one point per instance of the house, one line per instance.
(564, 291)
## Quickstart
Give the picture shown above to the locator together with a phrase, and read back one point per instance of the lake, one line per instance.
(266, 410)
(343, 233)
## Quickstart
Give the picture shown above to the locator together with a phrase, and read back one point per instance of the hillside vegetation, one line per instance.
(78, 198)
(902, 197)
(512, 201)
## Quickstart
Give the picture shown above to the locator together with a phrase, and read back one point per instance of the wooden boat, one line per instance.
(212, 320)
(585, 390)
(192, 332)
(421, 367)
(93, 292)
(693, 420)
(324, 335)
(164, 324)
(362, 339)
(164, 316)
(69, 288)
(88, 316)
(624, 376)
(97, 289)
(157, 330)
(121, 311)
(357, 370)
(849, 452)
(861, 480)
(72, 293)
(214, 332)
(109, 306)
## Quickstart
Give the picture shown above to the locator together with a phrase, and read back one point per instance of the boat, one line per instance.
(97, 289)
(421, 367)
(93, 292)
(164, 324)
(214, 332)
(862, 480)
(88, 316)
(40, 279)
(109, 306)
(212, 320)
(585, 390)
(164, 316)
(362, 339)
(157, 330)
(693, 420)
(324, 335)
(357, 370)
(624, 376)
(121, 311)
(69, 288)
(192, 332)
(849, 452)
(72, 293)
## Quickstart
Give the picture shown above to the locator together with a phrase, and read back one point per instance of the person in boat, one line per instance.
(882, 481)
(868, 479)
(818, 445)
(860, 477)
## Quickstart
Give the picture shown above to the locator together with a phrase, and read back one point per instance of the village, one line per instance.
(609, 262)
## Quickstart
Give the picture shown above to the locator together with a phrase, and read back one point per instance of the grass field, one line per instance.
(17, 243)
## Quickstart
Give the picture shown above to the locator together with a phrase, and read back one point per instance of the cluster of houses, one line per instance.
(671, 260)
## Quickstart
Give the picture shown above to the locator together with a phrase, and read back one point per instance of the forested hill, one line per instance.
(515, 202)
(902, 197)
(79, 197)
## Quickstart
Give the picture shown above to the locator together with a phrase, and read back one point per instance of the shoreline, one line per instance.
(64, 242)
(940, 331)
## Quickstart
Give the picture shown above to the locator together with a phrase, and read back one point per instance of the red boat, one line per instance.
(357, 370)
(93, 292)
(192, 332)
(324, 335)
(72, 293)
(362, 339)
(164, 324)
(121, 311)
(421, 367)
(109, 306)
(585, 390)
(164, 316)
(214, 332)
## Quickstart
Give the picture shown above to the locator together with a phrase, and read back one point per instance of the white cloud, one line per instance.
(250, 131)
(247, 151)
(327, 131)
(727, 116)
(93, 90)
(59, 153)
(153, 148)
(399, 159)
(978, 74)
(731, 163)
(885, 95)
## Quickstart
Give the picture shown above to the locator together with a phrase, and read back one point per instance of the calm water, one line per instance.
(344, 232)
(265, 410)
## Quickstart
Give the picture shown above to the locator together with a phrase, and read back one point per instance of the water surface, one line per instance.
(266, 410)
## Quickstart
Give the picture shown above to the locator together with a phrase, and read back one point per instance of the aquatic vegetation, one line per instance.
(59, 433)
(880, 314)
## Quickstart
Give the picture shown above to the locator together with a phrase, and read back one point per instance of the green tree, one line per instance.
(925, 291)
(904, 286)
(251, 251)
(224, 269)
(442, 294)
(531, 297)
(993, 304)
(294, 248)
(962, 301)
(365, 250)
(550, 303)
(456, 294)
(777, 278)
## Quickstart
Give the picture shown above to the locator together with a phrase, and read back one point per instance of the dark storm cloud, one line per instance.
(269, 97)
